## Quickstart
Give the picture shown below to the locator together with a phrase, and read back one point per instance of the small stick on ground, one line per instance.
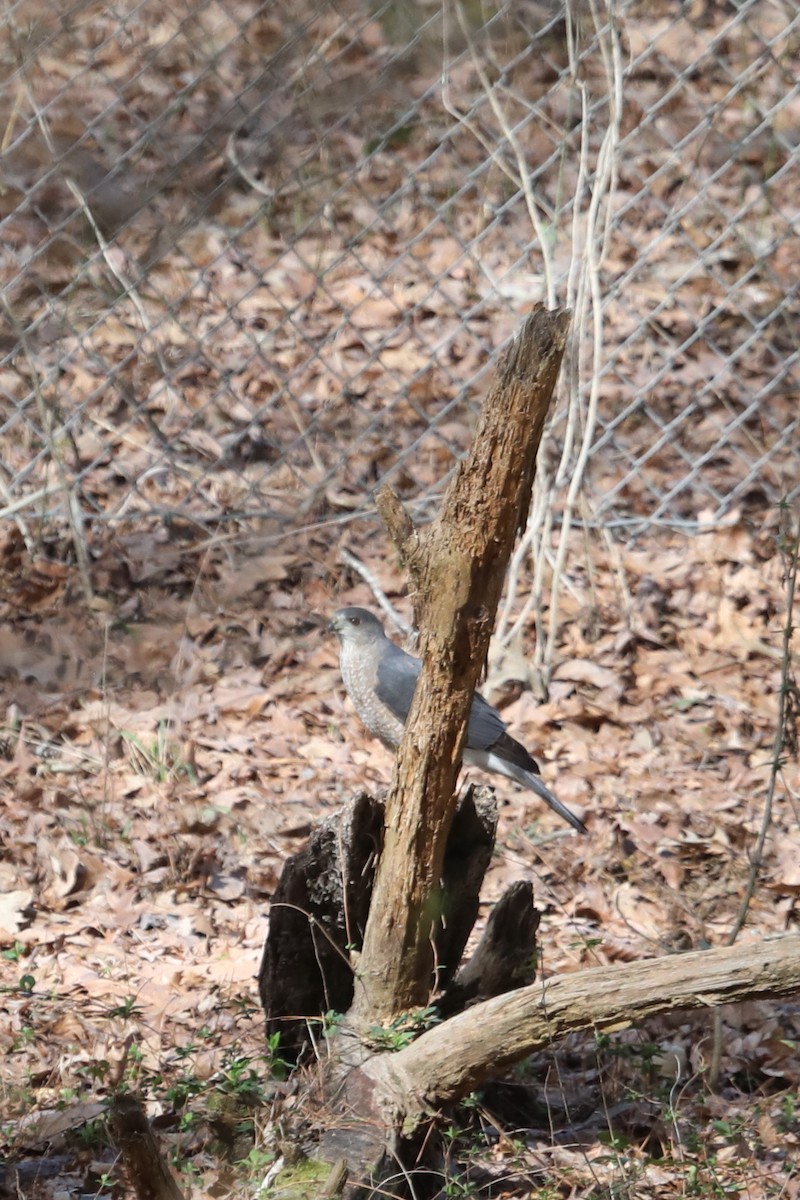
(147, 1169)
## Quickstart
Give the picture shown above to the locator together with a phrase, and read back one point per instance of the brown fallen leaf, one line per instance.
(49, 1123)
(16, 912)
(585, 671)
(227, 887)
(738, 635)
(639, 912)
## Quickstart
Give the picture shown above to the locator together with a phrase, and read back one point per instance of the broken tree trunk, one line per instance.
(320, 906)
(318, 910)
(147, 1169)
(457, 567)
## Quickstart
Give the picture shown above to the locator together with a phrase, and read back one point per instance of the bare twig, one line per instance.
(521, 177)
(589, 239)
(778, 747)
(49, 420)
(595, 245)
(371, 579)
(779, 741)
(237, 164)
(14, 507)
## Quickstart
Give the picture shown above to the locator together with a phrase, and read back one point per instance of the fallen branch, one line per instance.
(448, 1062)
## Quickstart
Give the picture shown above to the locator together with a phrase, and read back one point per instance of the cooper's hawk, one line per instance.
(380, 679)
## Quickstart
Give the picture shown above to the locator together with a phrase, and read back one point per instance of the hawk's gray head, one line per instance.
(356, 626)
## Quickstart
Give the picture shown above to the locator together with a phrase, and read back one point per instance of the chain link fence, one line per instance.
(258, 259)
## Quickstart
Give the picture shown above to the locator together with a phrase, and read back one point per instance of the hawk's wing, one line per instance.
(485, 724)
(397, 679)
(396, 683)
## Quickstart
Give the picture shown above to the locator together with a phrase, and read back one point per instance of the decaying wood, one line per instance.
(405, 1091)
(457, 566)
(316, 922)
(318, 909)
(468, 853)
(449, 1061)
(505, 957)
(147, 1170)
(399, 526)
(336, 1180)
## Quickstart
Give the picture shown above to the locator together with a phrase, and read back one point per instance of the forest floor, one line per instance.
(223, 364)
(166, 758)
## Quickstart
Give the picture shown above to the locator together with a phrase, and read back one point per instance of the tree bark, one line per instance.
(147, 1170)
(449, 1061)
(319, 908)
(467, 856)
(457, 567)
(505, 957)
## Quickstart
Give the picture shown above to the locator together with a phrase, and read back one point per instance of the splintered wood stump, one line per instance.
(310, 960)
(505, 957)
(319, 908)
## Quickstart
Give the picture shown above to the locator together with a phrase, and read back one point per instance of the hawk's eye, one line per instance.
(354, 620)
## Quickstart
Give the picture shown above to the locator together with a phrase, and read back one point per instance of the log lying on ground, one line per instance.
(448, 1062)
